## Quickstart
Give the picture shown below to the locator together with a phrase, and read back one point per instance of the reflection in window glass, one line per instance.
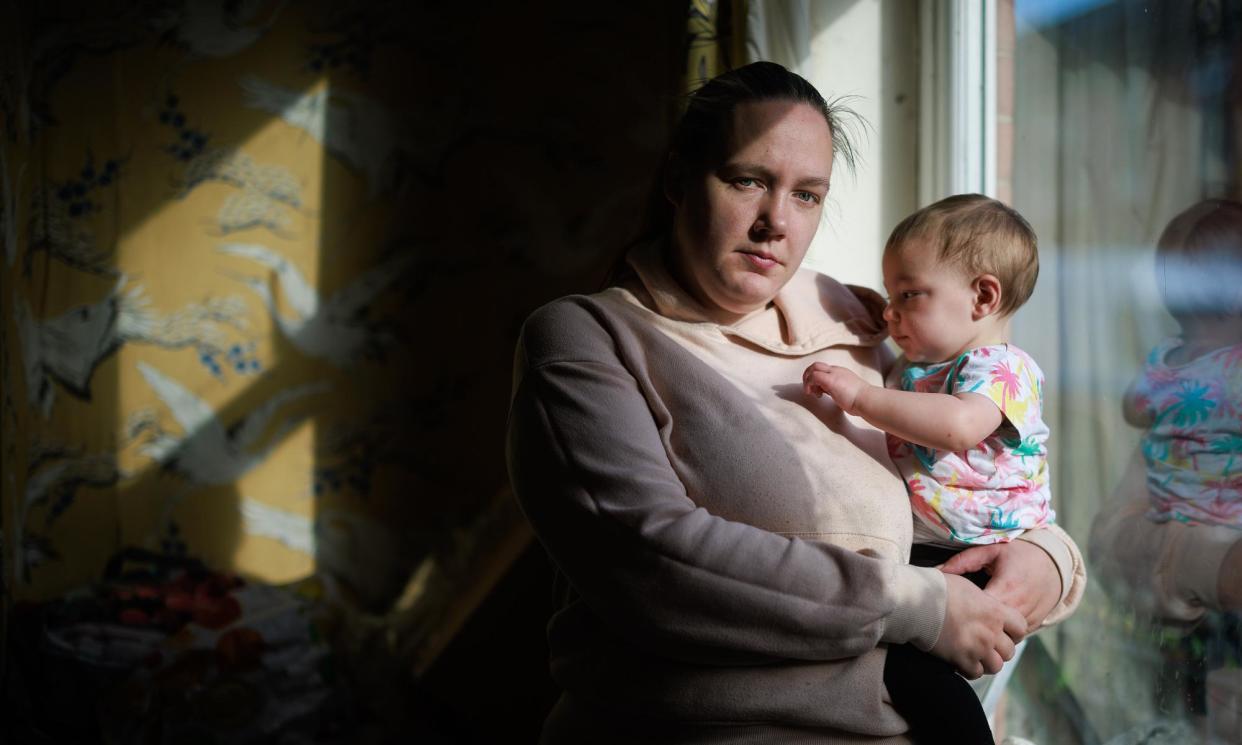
(1125, 158)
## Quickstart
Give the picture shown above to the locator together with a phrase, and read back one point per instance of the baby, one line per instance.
(963, 404)
(962, 409)
(1188, 396)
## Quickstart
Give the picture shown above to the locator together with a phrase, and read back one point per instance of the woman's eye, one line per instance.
(745, 182)
(807, 197)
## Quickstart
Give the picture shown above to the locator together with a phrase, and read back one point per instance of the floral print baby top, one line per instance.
(1193, 443)
(994, 491)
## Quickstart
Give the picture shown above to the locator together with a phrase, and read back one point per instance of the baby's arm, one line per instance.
(935, 420)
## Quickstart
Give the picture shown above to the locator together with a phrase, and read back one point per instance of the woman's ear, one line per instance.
(987, 295)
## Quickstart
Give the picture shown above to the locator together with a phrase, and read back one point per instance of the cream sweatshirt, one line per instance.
(734, 551)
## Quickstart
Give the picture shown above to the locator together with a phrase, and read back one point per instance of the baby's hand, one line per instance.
(841, 384)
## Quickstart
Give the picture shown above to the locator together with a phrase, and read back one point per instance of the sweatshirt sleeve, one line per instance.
(1065, 554)
(591, 474)
(1169, 570)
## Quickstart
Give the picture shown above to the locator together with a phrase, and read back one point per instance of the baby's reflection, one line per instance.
(1188, 395)
(1187, 399)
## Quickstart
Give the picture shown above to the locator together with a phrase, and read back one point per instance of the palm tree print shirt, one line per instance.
(1193, 439)
(994, 491)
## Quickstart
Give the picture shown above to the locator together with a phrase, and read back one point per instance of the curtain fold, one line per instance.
(716, 34)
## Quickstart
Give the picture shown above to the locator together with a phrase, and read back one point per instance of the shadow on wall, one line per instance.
(265, 264)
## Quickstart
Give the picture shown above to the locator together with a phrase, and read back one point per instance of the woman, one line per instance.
(734, 568)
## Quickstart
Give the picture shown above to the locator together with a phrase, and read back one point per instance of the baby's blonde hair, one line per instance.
(982, 236)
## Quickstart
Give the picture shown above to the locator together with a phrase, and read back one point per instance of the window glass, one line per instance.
(1125, 158)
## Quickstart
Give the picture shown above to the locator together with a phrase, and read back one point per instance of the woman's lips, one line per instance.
(760, 261)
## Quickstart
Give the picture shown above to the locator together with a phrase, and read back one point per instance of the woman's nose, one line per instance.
(772, 220)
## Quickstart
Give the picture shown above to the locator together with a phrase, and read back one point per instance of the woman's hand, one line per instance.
(843, 385)
(1023, 576)
(979, 631)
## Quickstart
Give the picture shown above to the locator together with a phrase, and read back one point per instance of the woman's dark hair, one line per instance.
(701, 135)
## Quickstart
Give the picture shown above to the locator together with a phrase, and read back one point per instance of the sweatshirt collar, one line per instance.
(811, 312)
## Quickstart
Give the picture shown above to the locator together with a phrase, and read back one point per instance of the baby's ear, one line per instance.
(987, 295)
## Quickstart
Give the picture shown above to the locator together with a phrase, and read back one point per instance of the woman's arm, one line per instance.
(1170, 570)
(591, 473)
(935, 420)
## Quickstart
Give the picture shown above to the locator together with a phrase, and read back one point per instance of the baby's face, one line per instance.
(931, 305)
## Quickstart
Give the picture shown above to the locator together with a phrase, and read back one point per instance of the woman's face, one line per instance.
(742, 229)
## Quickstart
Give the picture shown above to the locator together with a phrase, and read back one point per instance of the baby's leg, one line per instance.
(937, 702)
(926, 555)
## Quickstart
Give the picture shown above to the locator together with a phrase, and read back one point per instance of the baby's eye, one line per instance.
(806, 196)
(909, 294)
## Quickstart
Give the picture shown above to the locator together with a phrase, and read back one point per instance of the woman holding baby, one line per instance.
(734, 553)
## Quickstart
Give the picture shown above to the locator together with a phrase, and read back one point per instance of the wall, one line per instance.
(868, 49)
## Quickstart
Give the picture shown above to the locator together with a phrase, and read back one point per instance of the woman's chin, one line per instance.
(745, 304)
(753, 290)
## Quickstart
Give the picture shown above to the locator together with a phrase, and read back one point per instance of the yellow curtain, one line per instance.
(168, 353)
(264, 265)
(717, 39)
(209, 285)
